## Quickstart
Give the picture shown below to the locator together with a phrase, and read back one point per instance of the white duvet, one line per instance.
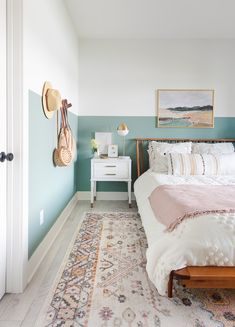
(199, 241)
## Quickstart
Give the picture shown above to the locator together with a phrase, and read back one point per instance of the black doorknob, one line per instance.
(4, 156)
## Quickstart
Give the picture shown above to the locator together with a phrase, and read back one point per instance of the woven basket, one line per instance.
(67, 140)
(65, 152)
(62, 157)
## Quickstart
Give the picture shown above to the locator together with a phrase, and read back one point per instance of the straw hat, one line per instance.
(51, 100)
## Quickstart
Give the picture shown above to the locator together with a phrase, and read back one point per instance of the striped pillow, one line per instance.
(200, 164)
(180, 164)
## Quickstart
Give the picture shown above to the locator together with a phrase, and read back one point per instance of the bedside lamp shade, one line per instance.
(122, 129)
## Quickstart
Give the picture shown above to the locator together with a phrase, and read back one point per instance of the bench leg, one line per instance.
(170, 285)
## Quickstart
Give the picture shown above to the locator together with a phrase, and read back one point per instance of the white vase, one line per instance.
(96, 154)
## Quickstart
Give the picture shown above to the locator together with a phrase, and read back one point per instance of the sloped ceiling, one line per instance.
(153, 18)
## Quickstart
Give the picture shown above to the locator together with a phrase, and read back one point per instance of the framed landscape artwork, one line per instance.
(185, 108)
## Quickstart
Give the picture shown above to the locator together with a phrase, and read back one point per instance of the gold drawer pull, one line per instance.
(110, 174)
(110, 166)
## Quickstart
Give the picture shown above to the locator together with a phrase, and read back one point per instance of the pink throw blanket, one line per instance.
(173, 203)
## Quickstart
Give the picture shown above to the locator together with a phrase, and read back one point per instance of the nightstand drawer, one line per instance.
(111, 170)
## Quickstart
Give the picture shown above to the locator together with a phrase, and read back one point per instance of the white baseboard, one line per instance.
(106, 196)
(46, 243)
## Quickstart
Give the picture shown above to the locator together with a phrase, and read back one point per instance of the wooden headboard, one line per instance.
(141, 141)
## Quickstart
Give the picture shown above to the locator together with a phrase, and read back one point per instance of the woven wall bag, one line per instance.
(71, 143)
(67, 140)
(62, 155)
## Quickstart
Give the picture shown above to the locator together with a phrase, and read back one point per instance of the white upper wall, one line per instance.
(153, 18)
(119, 77)
(50, 49)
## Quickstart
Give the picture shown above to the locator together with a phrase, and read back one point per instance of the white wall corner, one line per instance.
(41, 251)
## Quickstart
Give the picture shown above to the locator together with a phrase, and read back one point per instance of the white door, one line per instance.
(2, 147)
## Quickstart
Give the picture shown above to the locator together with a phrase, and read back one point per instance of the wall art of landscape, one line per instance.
(182, 108)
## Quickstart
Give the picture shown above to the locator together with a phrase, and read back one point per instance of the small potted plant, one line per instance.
(95, 148)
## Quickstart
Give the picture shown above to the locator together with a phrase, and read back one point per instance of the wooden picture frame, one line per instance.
(185, 108)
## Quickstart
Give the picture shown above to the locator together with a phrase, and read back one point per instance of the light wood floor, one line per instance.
(23, 309)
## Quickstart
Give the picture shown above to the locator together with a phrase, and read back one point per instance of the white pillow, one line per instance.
(158, 150)
(201, 164)
(214, 148)
(164, 148)
(159, 164)
(227, 164)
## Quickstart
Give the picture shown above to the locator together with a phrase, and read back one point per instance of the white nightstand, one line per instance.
(110, 170)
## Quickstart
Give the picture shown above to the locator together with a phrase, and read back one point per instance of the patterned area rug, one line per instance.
(104, 283)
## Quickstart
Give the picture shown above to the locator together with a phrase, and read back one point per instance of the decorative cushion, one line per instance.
(158, 150)
(201, 164)
(159, 163)
(214, 148)
(164, 148)
(227, 164)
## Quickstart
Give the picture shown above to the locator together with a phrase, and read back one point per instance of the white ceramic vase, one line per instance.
(97, 153)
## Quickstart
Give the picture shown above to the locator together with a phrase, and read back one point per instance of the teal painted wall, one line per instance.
(139, 127)
(50, 188)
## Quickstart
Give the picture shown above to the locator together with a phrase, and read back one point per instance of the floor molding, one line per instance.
(106, 196)
(48, 240)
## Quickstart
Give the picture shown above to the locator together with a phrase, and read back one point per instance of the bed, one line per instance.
(200, 253)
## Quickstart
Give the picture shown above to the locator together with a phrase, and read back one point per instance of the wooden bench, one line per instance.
(203, 277)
